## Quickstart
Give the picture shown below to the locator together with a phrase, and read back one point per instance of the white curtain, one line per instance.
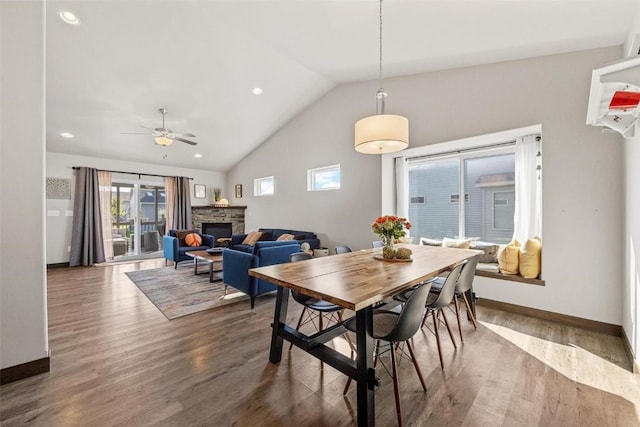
(528, 209)
(104, 185)
(402, 187)
(170, 202)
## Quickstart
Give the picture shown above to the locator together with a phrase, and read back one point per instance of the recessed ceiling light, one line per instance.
(257, 91)
(69, 17)
(197, 156)
(66, 135)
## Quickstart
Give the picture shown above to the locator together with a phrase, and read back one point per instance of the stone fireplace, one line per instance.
(229, 220)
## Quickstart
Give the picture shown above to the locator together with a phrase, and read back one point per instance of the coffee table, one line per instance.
(208, 258)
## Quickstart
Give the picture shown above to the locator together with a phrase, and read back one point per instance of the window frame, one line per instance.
(258, 181)
(311, 177)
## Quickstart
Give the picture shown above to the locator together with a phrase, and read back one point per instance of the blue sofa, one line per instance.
(236, 265)
(174, 251)
(272, 234)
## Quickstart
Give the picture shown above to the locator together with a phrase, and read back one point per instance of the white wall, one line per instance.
(23, 313)
(631, 289)
(60, 166)
(583, 176)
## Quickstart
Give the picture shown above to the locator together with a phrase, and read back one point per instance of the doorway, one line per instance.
(137, 220)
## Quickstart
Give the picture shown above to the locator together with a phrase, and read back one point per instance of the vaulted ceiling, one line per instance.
(201, 60)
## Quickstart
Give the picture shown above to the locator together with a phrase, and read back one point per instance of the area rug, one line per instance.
(179, 292)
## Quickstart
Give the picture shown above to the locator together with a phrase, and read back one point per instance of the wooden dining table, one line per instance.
(356, 281)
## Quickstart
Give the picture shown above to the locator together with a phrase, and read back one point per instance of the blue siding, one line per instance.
(437, 180)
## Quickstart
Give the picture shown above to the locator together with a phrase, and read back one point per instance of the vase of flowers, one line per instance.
(390, 228)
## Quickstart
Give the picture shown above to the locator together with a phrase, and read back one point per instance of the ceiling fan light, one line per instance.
(163, 140)
(382, 133)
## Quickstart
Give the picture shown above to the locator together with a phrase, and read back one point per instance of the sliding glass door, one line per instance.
(137, 219)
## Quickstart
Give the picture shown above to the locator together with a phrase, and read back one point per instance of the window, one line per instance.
(488, 184)
(263, 186)
(325, 178)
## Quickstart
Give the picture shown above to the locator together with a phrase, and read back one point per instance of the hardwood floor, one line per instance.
(116, 360)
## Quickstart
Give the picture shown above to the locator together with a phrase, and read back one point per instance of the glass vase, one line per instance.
(388, 251)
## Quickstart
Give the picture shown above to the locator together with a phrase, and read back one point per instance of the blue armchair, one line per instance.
(176, 252)
(236, 265)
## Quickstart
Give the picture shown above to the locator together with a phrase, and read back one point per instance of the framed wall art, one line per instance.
(200, 191)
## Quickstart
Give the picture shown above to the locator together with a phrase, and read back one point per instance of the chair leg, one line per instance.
(469, 311)
(396, 386)
(435, 327)
(304, 309)
(446, 322)
(415, 364)
(455, 302)
(346, 335)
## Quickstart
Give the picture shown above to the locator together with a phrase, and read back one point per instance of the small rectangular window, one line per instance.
(324, 178)
(455, 198)
(263, 186)
(417, 200)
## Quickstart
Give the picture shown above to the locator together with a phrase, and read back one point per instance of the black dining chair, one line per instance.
(435, 306)
(394, 328)
(377, 244)
(464, 284)
(313, 307)
(343, 249)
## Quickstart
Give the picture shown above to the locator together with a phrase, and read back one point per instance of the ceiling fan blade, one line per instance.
(146, 127)
(186, 135)
(185, 140)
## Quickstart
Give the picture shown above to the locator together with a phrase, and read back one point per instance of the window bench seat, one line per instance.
(491, 270)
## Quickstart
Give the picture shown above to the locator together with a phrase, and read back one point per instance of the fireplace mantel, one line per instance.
(232, 214)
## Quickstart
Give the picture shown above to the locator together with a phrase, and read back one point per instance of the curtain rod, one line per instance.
(463, 150)
(135, 173)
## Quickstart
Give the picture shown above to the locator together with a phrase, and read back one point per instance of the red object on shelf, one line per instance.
(622, 100)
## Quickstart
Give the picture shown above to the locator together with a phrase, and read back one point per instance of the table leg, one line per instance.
(279, 317)
(366, 378)
(195, 265)
(211, 272)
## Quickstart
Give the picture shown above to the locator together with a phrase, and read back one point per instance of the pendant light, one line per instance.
(381, 133)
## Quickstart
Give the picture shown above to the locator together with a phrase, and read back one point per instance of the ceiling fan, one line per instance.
(163, 136)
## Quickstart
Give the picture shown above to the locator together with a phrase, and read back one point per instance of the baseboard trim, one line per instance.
(24, 370)
(58, 265)
(578, 322)
(629, 350)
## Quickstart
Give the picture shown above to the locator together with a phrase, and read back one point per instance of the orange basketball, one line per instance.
(193, 239)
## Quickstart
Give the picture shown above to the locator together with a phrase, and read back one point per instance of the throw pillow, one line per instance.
(193, 239)
(181, 234)
(252, 238)
(456, 243)
(530, 255)
(285, 237)
(430, 242)
(489, 251)
(509, 258)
